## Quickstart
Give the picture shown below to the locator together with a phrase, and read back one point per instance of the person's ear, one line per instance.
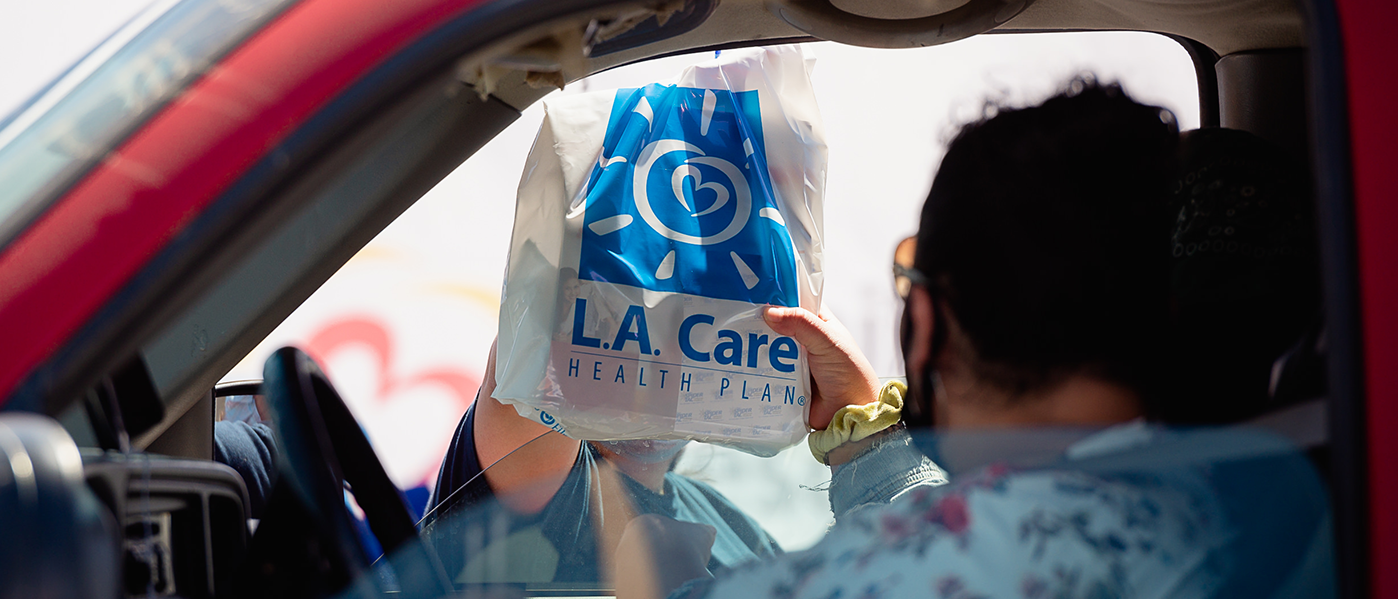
(919, 329)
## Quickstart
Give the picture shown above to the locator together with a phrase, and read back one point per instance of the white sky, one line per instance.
(41, 38)
(432, 278)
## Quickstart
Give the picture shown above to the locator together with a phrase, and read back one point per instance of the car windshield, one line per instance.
(405, 327)
(54, 138)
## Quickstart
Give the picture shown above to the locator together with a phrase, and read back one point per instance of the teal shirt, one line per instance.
(480, 541)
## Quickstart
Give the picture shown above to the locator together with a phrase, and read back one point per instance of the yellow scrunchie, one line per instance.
(854, 423)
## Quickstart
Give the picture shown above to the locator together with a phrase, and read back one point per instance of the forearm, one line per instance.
(539, 467)
(871, 455)
(882, 468)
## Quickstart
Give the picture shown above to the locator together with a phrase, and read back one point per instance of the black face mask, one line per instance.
(917, 409)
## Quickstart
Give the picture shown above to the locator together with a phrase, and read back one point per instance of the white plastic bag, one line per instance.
(633, 314)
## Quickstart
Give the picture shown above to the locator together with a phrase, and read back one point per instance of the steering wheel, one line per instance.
(322, 451)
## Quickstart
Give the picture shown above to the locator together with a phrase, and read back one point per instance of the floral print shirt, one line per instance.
(1000, 532)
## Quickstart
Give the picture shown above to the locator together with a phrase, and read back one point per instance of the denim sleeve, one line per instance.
(249, 449)
(882, 473)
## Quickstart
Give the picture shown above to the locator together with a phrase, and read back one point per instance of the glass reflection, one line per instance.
(1027, 512)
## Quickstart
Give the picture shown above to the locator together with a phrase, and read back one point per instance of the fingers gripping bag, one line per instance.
(653, 226)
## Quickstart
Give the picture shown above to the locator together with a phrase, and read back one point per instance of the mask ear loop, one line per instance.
(918, 411)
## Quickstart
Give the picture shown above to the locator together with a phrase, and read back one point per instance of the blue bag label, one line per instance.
(681, 201)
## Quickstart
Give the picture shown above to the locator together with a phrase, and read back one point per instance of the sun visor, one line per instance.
(900, 24)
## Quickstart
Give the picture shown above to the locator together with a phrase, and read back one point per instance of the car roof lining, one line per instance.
(1226, 26)
(1268, 24)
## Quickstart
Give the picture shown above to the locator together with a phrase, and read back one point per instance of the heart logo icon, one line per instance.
(689, 171)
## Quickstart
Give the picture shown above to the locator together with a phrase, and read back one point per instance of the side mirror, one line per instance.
(241, 401)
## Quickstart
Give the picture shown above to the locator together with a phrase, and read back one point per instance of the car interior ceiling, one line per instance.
(160, 398)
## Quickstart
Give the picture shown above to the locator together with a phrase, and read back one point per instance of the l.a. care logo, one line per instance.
(690, 165)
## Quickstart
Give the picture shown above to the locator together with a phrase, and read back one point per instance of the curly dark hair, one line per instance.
(1043, 234)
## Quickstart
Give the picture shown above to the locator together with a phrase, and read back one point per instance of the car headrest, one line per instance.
(1244, 273)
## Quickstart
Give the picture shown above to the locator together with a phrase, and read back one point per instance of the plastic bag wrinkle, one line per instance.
(654, 224)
